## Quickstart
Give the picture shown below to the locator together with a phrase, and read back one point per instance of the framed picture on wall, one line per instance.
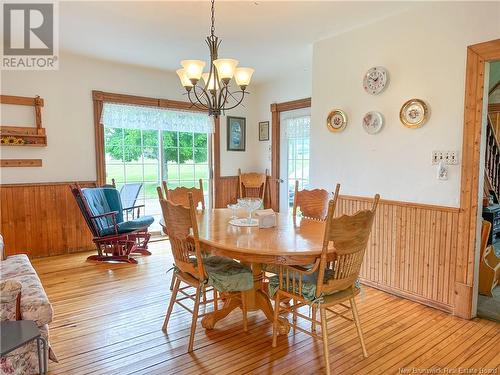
(264, 131)
(236, 133)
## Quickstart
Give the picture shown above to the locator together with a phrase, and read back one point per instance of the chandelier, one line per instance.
(214, 95)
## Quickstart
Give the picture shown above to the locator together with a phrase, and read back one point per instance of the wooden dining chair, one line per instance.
(195, 271)
(313, 204)
(179, 195)
(333, 278)
(252, 185)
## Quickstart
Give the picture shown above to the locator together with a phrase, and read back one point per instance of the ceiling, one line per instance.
(274, 37)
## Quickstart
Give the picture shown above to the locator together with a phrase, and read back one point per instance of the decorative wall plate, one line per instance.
(376, 80)
(373, 122)
(336, 121)
(414, 113)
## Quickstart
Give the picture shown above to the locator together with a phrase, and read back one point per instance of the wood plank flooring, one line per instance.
(108, 320)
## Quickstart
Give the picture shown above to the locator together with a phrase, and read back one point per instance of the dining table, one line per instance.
(293, 241)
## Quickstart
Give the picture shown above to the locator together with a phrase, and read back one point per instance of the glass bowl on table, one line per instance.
(234, 207)
(250, 204)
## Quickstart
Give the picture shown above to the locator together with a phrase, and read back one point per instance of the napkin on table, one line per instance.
(267, 218)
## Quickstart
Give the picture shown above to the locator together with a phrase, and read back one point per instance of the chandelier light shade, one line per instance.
(213, 93)
(186, 82)
(243, 76)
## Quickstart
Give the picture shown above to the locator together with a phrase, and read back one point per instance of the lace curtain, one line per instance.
(297, 127)
(154, 118)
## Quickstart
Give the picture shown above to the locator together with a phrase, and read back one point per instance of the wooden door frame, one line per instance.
(276, 109)
(101, 97)
(477, 56)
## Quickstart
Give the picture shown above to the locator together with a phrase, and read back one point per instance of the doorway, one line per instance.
(469, 223)
(488, 302)
(295, 133)
(277, 192)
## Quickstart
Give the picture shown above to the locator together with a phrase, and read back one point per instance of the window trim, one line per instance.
(101, 97)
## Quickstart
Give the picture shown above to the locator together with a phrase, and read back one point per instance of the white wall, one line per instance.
(249, 160)
(425, 53)
(68, 116)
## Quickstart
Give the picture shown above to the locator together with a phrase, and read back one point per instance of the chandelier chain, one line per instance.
(212, 29)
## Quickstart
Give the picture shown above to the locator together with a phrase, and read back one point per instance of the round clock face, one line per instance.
(373, 122)
(375, 80)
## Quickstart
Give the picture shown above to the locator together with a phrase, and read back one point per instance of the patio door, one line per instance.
(295, 129)
(148, 156)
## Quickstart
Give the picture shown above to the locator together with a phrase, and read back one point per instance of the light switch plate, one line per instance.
(447, 157)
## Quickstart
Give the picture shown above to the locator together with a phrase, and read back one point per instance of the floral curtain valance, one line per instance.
(154, 118)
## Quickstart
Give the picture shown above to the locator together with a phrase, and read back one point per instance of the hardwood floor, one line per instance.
(108, 320)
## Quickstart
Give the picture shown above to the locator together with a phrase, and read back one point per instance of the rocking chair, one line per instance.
(114, 238)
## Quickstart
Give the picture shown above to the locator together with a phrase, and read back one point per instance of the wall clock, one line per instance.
(373, 122)
(376, 80)
(336, 121)
(414, 113)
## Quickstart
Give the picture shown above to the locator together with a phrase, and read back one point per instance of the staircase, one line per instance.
(492, 170)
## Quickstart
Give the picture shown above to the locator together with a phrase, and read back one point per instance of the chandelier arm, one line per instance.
(239, 102)
(209, 104)
(223, 91)
(196, 105)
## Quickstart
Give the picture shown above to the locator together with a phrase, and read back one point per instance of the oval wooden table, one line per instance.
(291, 242)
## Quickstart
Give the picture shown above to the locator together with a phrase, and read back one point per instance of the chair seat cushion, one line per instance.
(227, 275)
(309, 283)
(129, 226)
(308, 286)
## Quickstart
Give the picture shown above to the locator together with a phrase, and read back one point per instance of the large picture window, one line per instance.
(147, 145)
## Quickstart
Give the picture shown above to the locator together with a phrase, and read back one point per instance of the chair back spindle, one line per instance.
(180, 225)
(340, 265)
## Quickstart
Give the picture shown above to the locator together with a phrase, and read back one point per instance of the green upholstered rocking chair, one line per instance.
(114, 237)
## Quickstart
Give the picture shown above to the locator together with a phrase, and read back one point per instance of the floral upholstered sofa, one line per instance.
(18, 275)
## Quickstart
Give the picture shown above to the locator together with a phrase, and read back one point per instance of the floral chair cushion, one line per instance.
(9, 293)
(16, 265)
(34, 302)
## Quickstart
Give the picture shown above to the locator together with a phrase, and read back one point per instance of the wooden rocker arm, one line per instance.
(132, 207)
(111, 213)
(135, 214)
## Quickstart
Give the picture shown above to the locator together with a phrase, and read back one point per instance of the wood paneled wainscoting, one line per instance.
(42, 219)
(412, 250)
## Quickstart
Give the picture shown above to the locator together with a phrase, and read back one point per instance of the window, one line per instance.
(145, 145)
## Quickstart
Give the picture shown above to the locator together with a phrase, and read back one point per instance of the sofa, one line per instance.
(17, 274)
